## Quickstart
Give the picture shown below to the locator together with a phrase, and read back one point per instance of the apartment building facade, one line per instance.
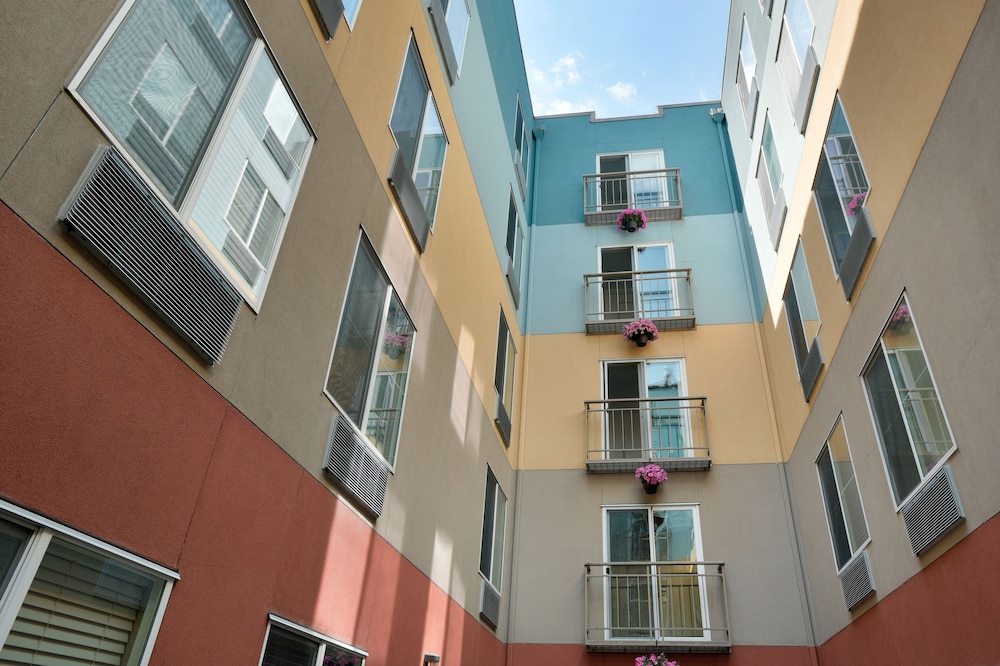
(313, 342)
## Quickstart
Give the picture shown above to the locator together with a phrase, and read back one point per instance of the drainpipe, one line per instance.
(536, 135)
(719, 116)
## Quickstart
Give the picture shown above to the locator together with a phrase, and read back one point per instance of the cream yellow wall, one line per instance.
(459, 262)
(900, 67)
(905, 56)
(721, 362)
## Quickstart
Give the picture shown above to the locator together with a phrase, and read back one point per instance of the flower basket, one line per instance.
(631, 220)
(395, 344)
(652, 477)
(901, 322)
(640, 332)
(655, 660)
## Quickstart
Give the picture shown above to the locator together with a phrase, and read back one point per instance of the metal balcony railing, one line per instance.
(614, 299)
(656, 192)
(625, 433)
(647, 606)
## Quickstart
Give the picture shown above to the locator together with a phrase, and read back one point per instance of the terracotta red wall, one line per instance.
(948, 614)
(103, 428)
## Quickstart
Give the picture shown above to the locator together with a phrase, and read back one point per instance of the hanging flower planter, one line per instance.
(631, 220)
(901, 322)
(655, 660)
(640, 332)
(651, 476)
(394, 345)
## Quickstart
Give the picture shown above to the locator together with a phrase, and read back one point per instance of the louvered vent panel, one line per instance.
(933, 512)
(856, 580)
(356, 468)
(489, 604)
(126, 226)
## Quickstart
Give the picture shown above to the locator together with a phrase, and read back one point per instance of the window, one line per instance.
(68, 598)
(290, 644)
(521, 149)
(503, 379)
(494, 524)
(798, 66)
(656, 580)
(351, 8)
(635, 180)
(371, 357)
(637, 283)
(514, 244)
(841, 186)
(187, 89)
(746, 77)
(769, 179)
(450, 19)
(803, 322)
(914, 435)
(844, 514)
(647, 415)
(421, 141)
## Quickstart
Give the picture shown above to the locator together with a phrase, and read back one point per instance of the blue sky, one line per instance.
(621, 58)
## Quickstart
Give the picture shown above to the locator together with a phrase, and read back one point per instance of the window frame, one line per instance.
(749, 71)
(849, 221)
(352, 15)
(854, 552)
(504, 378)
(493, 577)
(322, 640)
(391, 295)
(194, 181)
(797, 330)
(514, 245)
(29, 558)
(900, 500)
(522, 148)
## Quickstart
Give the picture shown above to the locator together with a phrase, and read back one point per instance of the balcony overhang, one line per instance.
(599, 217)
(678, 646)
(612, 466)
(684, 322)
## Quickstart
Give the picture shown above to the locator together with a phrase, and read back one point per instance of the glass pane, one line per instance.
(928, 429)
(500, 524)
(162, 101)
(836, 223)
(847, 487)
(246, 203)
(489, 516)
(808, 310)
(508, 381)
(624, 417)
(285, 648)
(457, 19)
(614, 188)
(899, 459)
(430, 162)
(358, 338)
(12, 541)
(834, 514)
(677, 586)
(800, 26)
(511, 227)
(385, 412)
(656, 291)
(668, 418)
(408, 111)
(617, 293)
(770, 153)
(83, 607)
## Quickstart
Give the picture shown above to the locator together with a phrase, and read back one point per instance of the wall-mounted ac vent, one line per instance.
(933, 512)
(489, 604)
(355, 467)
(114, 213)
(856, 579)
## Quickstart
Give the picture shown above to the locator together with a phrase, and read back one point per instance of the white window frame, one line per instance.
(184, 209)
(44, 529)
(839, 499)
(925, 474)
(515, 237)
(362, 428)
(449, 20)
(637, 296)
(748, 97)
(797, 330)
(322, 640)
(522, 148)
(643, 390)
(493, 577)
(629, 155)
(703, 591)
(504, 377)
(351, 12)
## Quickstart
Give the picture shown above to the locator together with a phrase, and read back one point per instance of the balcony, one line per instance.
(625, 433)
(650, 606)
(656, 192)
(663, 296)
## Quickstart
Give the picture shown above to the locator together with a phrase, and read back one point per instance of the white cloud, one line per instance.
(550, 85)
(624, 93)
(565, 70)
(558, 106)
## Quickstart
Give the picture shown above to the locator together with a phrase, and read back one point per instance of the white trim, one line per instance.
(86, 539)
(312, 633)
